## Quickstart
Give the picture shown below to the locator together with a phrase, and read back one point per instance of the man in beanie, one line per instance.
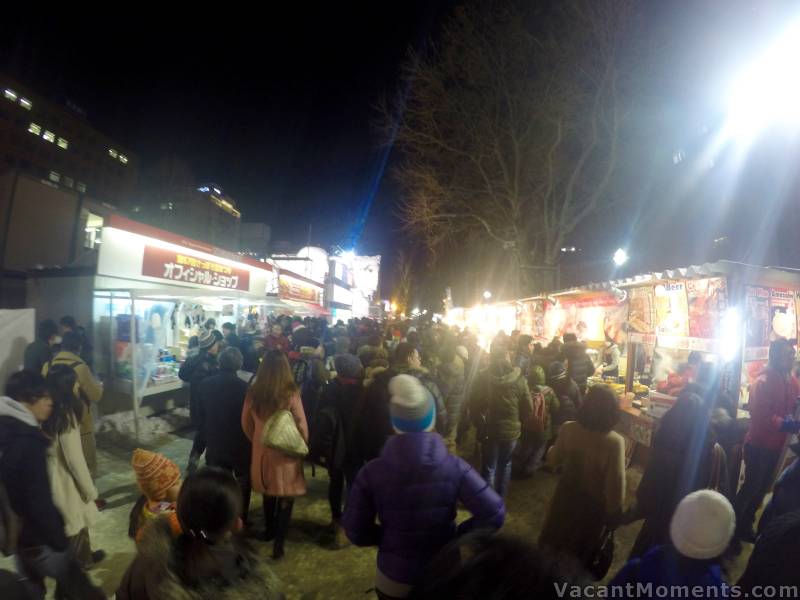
(159, 480)
(773, 400)
(221, 399)
(374, 426)
(194, 370)
(333, 437)
(413, 490)
(701, 529)
(568, 394)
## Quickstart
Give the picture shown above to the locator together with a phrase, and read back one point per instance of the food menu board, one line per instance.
(757, 321)
(783, 321)
(530, 319)
(672, 310)
(641, 316)
(707, 301)
(591, 319)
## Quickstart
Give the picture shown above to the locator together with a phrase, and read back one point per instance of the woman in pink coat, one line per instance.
(275, 475)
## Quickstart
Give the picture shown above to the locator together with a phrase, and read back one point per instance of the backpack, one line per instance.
(538, 418)
(326, 445)
(302, 373)
(10, 524)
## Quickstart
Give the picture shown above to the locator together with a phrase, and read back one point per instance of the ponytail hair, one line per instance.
(209, 505)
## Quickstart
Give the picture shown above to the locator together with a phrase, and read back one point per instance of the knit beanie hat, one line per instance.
(411, 408)
(347, 366)
(155, 473)
(557, 371)
(703, 525)
(206, 340)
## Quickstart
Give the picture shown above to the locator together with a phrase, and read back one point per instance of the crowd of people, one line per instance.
(397, 413)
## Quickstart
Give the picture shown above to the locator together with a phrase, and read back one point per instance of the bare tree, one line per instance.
(402, 285)
(513, 126)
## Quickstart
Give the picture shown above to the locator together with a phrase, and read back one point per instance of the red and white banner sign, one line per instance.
(179, 266)
(292, 288)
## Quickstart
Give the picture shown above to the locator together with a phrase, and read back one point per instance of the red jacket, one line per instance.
(772, 397)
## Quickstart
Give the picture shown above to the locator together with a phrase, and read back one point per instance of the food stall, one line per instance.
(667, 325)
(302, 296)
(484, 320)
(153, 291)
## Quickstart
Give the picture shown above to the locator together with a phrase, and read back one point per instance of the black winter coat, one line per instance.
(579, 366)
(374, 425)
(37, 355)
(221, 398)
(345, 396)
(23, 471)
(194, 370)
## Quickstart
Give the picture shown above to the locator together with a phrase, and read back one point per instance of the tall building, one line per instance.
(203, 213)
(57, 144)
(254, 240)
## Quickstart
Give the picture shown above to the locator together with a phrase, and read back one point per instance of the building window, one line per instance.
(55, 176)
(10, 94)
(25, 103)
(35, 129)
(94, 225)
(81, 187)
(112, 153)
(123, 159)
(68, 182)
(49, 136)
(62, 143)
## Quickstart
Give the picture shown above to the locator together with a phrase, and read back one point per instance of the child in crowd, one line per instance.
(159, 480)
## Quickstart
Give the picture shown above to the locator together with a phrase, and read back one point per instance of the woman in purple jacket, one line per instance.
(413, 489)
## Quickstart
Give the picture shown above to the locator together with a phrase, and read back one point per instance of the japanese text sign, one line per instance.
(185, 268)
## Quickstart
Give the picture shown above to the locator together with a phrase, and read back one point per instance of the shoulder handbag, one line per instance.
(601, 562)
(280, 433)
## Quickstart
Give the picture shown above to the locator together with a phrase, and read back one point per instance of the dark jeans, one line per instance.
(759, 468)
(529, 454)
(242, 475)
(496, 469)
(34, 564)
(338, 477)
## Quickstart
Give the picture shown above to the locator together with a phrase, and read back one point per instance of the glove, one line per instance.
(790, 425)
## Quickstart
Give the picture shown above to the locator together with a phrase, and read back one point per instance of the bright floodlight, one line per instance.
(348, 255)
(767, 91)
(620, 257)
(487, 295)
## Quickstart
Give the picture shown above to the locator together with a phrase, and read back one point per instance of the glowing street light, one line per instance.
(767, 91)
(487, 295)
(620, 257)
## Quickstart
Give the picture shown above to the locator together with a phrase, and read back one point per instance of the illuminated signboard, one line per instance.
(183, 267)
(292, 288)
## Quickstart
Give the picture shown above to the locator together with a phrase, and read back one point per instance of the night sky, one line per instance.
(277, 108)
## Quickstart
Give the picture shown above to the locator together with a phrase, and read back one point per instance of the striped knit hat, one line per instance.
(411, 409)
(155, 473)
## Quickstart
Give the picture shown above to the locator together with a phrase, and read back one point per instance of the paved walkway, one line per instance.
(311, 570)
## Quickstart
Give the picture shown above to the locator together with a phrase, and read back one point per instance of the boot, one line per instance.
(339, 536)
(270, 517)
(284, 516)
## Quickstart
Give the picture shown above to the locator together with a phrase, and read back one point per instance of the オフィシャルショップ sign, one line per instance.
(185, 268)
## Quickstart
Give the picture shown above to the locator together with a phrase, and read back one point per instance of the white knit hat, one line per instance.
(411, 409)
(703, 525)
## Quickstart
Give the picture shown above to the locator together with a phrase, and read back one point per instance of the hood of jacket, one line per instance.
(452, 370)
(509, 378)
(155, 550)
(409, 452)
(11, 408)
